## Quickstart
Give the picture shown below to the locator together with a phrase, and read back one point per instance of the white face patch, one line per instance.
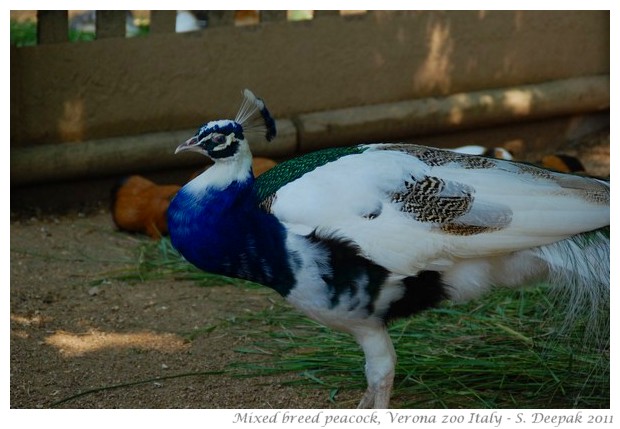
(221, 146)
(224, 172)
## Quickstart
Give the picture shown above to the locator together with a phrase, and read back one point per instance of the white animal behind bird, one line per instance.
(356, 237)
(495, 152)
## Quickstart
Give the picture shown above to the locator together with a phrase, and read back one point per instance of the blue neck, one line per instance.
(223, 231)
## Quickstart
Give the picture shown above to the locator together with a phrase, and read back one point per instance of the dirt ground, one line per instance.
(70, 332)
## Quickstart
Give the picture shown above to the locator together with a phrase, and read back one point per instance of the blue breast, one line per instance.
(224, 232)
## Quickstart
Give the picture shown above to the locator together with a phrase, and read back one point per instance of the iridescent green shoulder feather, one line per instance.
(269, 182)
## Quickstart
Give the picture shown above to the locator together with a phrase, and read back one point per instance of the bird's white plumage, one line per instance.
(353, 197)
(311, 266)
(360, 236)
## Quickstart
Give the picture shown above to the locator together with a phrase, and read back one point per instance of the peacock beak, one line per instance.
(189, 145)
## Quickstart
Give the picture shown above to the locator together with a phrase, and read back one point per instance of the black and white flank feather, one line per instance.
(355, 237)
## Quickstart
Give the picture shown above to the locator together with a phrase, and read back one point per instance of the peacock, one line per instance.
(355, 237)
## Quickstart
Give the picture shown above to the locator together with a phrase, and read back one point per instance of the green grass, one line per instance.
(505, 351)
(497, 353)
(24, 33)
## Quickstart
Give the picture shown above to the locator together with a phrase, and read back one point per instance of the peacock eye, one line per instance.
(218, 138)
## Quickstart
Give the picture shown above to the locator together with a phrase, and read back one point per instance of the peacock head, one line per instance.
(222, 139)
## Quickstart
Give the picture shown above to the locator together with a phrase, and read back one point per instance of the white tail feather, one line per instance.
(579, 270)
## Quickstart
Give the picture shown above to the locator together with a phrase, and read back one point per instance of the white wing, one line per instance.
(413, 208)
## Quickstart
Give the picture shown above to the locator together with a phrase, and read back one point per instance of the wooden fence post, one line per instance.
(272, 15)
(163, 21)
(221, 18)
(111, 23)
(52, 26)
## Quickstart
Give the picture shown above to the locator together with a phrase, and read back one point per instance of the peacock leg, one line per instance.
(380, 363)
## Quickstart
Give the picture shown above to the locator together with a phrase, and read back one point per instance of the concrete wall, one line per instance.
(165, 82)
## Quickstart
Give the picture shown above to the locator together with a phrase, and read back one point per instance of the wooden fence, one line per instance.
(335, 79)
